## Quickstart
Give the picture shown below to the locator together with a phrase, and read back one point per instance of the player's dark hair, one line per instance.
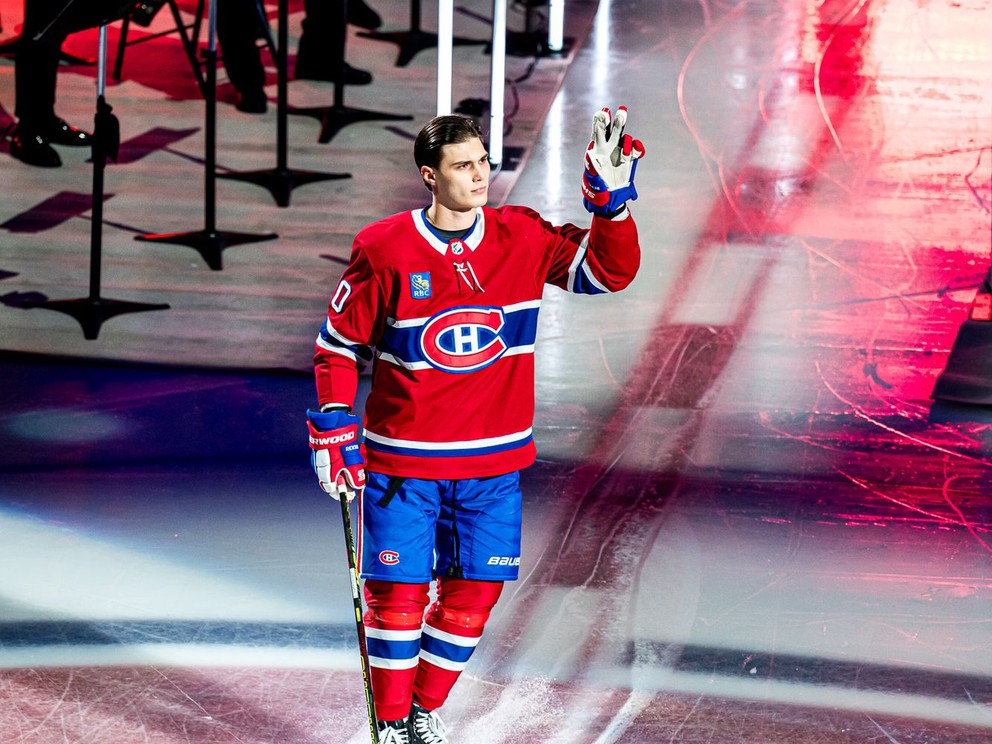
(441, 131)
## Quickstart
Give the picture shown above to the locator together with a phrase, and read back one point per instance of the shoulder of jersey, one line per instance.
(386, 235)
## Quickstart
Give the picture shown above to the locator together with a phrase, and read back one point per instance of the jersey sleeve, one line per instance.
(353, 326)
(599, 260)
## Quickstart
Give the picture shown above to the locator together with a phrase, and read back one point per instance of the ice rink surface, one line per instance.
(750, 522)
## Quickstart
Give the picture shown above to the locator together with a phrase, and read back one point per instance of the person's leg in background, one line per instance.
(321, 50)
(238, 31)
(35, 79)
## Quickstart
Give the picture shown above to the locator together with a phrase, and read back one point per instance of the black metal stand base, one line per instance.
(414, 41)
(210, 244)
(281, 181)
(93, 312)
(532, 44)
(336, 117)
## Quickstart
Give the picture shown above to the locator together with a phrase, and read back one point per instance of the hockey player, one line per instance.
(446, 299)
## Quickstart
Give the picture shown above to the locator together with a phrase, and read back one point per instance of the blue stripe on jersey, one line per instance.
(384, 649)
(519, 329)
(333, 343)
(427, 450)
(446, 649)
(583, 284)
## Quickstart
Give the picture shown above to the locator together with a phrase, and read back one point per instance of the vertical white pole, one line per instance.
(556, 26)
(497, 79)
(445, 42)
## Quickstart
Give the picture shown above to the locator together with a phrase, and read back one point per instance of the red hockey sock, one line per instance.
(452, 630)
(393, 623)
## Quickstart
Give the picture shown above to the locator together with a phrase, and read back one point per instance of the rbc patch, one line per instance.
(420, 285)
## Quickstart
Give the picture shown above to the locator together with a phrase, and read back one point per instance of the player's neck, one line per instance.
(448, 219)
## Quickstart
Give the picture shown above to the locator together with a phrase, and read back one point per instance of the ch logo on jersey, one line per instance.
(389, 557)
(420, 285)
(463, 339)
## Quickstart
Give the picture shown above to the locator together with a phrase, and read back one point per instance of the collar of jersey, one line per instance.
(472, 238)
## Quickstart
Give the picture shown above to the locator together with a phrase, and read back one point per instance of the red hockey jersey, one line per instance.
(451, 326)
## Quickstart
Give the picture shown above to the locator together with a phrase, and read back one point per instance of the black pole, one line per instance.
(210, 142)
(336, 117)
(96, 224)
(209, 242)
(281, 180)
(93, 310)
(363, 649)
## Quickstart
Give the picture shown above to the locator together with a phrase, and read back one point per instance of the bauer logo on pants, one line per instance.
(504, 560)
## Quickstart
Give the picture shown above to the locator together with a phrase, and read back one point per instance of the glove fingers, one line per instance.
(345, 483)
(343, 489)
(590, 166)
(619, 122)
(637, 149)
(600, 128)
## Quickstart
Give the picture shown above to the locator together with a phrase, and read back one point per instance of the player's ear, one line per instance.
(429, 176)
(427, 173)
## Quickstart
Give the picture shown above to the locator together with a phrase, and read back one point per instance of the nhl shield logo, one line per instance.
(420, 285)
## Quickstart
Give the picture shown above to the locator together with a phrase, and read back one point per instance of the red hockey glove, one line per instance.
(611, 162)
(338, 455)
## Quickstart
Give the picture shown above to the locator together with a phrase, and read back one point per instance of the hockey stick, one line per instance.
(363, 648)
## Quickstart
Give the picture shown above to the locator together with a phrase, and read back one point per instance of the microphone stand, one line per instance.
(93, 310)
(281, 180)
(337, 116)
(209, 242)
(415, 40)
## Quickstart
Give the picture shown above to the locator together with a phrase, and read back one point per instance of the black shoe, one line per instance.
(60, 132)
(33, 150)
(352, 75)
(254, 102)
(361, 15)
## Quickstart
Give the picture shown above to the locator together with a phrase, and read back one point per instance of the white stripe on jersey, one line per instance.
(579, 264)
(334, 349)
(413, 322)
(441, 246)
(440, 661)
(468, 444)
(393, 635)
(512, 351)
(441, 635)
(343, 347)
(381, 663)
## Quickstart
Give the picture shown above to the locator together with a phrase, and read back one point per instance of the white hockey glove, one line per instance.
(338, 455)
(611, 162)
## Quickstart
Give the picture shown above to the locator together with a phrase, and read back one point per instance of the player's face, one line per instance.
(462, 177)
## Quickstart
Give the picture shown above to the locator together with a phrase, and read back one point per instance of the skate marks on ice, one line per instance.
(168, 705)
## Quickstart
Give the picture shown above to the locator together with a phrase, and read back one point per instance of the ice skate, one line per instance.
(426, 727)
(394, 732)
